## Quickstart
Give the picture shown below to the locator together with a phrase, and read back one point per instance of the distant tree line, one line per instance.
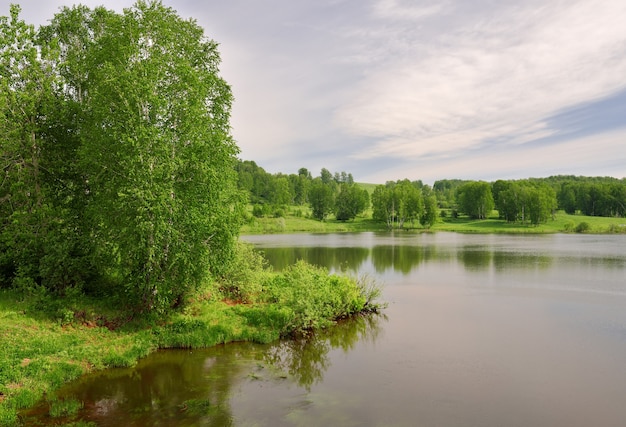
(402, 203)
(326, 194)
(534, 200)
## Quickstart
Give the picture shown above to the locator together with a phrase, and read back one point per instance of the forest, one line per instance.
(403, 202)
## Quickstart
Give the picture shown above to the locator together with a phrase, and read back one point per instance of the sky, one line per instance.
(424, 90)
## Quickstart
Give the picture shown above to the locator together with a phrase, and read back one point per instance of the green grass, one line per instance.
(562, 223)
(297, 219)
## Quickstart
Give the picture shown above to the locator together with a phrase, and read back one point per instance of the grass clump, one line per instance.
(64, 407)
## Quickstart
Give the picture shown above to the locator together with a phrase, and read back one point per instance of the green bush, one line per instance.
(583, 227)
(617, 229)
(242, 278)
(316, 298)
(257, 211)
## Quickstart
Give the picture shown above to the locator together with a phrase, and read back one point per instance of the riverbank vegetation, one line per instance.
(49, 340)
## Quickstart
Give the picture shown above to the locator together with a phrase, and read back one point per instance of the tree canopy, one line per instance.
(120, 152)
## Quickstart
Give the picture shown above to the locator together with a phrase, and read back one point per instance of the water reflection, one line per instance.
(191, 388)
(338, 259)
(406, 253)
(306, 360)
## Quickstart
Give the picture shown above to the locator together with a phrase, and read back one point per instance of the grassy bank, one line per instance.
(297, 219)
(48, 341)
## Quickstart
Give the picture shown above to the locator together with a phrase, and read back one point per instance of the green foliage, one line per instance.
(582, 227)
(431, 208)
(126, 180)
(524, 200)
(64, 407)
(350, 202)
(258, 211)
(321, 198)
(315, 298)
(242, 277)
(8, 417)
(475, 199)
(395, 203)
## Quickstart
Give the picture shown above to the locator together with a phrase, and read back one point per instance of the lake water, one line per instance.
(481, 330)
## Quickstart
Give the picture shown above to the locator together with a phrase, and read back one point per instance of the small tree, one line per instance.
(350, 202)
(430, 211)
(475, 199)
(321, 199)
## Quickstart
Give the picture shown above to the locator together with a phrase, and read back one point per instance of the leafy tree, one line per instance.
(144, 186)
(475, 199)
(280, 192)
(397, 202)
(431, 208)
(31, 222)
(326, 176)
(409, 201)
(525, 200)
(445, 190)
(567, 198)
(383, 205)
(350, 202)
(300, 184)
(321, 199)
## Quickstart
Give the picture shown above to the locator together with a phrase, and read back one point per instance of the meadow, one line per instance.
(296, 219)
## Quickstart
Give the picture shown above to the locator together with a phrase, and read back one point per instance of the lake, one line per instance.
(480, 330)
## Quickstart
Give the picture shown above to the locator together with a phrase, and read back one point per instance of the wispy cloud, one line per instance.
(388, 89)
(407, 10)
(497, 77)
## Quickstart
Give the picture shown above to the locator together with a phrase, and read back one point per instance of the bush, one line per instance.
(316, 298)
(242, 278)
(617, 229)
(583, 227)
(569, 226)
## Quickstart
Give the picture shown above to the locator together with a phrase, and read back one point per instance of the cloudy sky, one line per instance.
(393, 89)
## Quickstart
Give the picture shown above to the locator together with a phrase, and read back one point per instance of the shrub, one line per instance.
(617, 229)
(316, 298)
(583, 227)
(569, 226)
(242, 278)
(257, 211)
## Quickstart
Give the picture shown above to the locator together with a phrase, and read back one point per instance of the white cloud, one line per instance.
(497, 77)
(407, 10)
(372, 86)
(565, 158)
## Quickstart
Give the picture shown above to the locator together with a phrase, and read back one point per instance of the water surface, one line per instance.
(481, 330)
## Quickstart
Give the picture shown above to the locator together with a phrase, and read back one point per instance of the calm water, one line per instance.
(481, 330)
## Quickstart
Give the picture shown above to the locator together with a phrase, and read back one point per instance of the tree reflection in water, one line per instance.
(195, 387)
(306, 359)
